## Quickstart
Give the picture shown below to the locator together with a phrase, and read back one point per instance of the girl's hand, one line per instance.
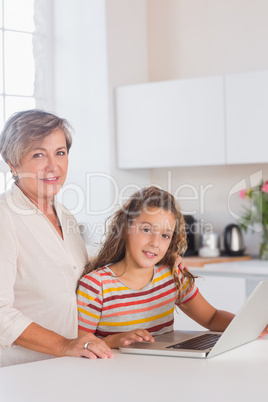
(95, 347)
(264, 332)
(137, 335)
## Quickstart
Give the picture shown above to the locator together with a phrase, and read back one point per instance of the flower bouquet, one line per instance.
(257, 214)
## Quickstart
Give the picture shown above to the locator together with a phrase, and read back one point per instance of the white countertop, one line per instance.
(238, 375)
(248, 267)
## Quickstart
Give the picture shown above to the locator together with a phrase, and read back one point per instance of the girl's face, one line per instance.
(149, 237)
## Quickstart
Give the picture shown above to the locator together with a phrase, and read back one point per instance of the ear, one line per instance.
(10, 165)
(12, 168)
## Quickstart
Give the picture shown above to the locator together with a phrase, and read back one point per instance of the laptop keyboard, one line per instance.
(201, 342)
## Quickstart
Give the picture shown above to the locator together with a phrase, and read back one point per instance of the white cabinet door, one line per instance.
(171, 123)
(222, 292)
(247, 117)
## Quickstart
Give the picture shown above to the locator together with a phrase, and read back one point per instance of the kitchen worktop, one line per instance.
(247, 267)
(197, 261)
(238, 375)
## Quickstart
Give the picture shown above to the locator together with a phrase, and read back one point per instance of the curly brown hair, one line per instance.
(114, 247)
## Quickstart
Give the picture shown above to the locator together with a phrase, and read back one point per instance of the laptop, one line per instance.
(246, 326)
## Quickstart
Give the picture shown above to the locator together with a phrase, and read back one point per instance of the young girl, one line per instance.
(128, 292)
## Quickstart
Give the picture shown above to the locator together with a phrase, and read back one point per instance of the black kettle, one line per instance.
(233, 240)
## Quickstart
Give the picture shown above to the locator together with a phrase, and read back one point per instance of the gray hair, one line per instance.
(25, 131)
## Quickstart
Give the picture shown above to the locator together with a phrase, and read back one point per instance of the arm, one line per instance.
(202, 312)
(16, 328)
(39, 339)
(125, 338)
(206, 315)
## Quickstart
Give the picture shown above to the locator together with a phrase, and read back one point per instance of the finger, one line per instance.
(142, 335)
(150, 338)
(146, 335)
(105, 348)
(264, 332)
(97, 345)
(89, 354)
(178, 260)
(100, 349)
(181, 266)
(105, 351)
(130, 339)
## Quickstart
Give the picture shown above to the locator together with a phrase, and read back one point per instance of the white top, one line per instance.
(39, 272)
(237, 375)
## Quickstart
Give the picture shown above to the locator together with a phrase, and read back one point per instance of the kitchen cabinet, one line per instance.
(247, 117)
(203, 121)
(171, 123)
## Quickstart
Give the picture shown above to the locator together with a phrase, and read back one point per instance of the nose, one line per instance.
(154, 240)
(51, 163)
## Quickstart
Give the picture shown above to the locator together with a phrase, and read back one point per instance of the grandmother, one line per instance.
(42, 252)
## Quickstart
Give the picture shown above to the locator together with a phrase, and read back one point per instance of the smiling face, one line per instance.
(149, 238)
(43, 170)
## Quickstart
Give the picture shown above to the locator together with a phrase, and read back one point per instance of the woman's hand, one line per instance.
(179, 263)
(95, 347)
(127, 338)
(178, 260)
(43, 340)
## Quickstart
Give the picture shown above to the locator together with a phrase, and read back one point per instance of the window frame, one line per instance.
(43, 81)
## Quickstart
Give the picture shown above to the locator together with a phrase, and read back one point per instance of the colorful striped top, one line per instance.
(106, 306)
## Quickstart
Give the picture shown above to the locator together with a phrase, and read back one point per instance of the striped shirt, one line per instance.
(106, 306)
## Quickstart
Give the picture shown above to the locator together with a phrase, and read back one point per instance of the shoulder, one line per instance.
(4, 198)
(165, 271)
(95, 278)
(162, 274)
(6, 215)
(16, 202)
(162, 269)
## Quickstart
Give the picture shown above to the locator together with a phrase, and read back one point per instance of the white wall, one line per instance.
(193, 38)
(80, 90)
(127, 64)
(102, 44)
(98, 45)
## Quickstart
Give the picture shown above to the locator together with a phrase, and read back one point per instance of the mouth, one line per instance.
(149, 254)
(50, 180)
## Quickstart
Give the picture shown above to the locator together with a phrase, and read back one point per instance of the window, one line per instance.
(24, 60)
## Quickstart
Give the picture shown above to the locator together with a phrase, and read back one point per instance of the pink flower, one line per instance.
(242, 194)
(265, 187)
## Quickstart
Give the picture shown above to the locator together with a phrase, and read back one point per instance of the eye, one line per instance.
(166, 236)
(37, 155)
(146, 230)
(61, 153)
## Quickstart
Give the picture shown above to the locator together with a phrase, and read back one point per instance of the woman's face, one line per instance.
(42, 171)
